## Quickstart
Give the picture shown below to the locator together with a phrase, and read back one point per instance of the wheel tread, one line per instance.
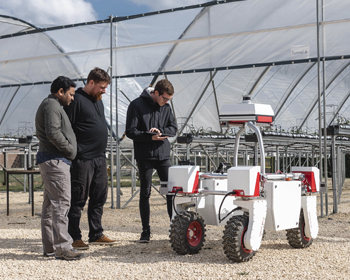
(295, 236)
(178, 233)
(232, 239)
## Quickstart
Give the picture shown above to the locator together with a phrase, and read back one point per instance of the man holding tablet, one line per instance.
(149, 122)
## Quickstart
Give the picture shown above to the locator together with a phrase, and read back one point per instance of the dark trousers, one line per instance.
(89, 180)
(145, 172)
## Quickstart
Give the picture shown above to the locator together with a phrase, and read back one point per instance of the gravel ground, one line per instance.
(21, 250)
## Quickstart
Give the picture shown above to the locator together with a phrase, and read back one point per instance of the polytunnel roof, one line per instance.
(213, 53)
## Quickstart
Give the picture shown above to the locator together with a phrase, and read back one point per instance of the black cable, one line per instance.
(222, 202)
(177, 190)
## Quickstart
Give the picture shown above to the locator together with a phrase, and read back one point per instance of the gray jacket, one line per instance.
(53, 129)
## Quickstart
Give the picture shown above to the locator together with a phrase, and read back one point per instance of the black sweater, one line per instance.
(143, 114)
(89, 124)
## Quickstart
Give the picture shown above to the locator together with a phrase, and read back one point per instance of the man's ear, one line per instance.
(61, 92)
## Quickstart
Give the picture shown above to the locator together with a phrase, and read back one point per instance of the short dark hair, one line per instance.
(98, 75)
(61, 82)
(164, 86)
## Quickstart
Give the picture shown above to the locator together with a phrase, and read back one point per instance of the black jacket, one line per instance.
(143, 114)
(89, 124)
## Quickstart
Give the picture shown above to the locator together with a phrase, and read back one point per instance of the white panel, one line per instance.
(283, 204)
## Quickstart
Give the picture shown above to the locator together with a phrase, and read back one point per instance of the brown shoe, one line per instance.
(80, 245)
(103, 240)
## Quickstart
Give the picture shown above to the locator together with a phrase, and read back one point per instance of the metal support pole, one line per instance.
(111, 110)
(25, 167)
(277, 159)
(217, 156)
(117, 124)
(285, 158)
(172, 155)
(206, 162)
(324, 100)
(188, 155)
(5, 165)
(30, 176)
(319, 106)
(326, 194)
(334, 176)
(338, 177)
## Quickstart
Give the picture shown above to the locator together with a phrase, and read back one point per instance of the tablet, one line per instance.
(155, 133)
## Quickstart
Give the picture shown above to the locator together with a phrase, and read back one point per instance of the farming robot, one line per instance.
(250, 200)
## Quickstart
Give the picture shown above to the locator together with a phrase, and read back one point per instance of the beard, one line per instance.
(97, 96)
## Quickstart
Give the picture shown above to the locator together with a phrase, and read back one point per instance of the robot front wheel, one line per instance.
(233, 239)
(187, 233)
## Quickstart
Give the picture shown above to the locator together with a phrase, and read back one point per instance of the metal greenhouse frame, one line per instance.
(292, 54)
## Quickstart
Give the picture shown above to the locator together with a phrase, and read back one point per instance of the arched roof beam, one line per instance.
(8, 106)
(217, 104)
(199, 99)
(257, 82)
(116, 19)
(332, 79)
(341, 104)
(164, 62)
(20, 20)
(44, 34)
(292, 87)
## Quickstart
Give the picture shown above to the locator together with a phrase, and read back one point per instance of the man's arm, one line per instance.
(171, 127)
(133, 118)
(71, 111)
(54, 133)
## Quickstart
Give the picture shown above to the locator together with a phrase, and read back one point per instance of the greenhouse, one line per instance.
(293, 55)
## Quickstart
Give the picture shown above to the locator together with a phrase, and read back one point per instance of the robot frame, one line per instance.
(250, 200)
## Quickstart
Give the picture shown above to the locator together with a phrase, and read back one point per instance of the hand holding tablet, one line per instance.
(156, 133)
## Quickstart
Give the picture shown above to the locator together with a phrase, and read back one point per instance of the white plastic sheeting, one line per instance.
(213, 55)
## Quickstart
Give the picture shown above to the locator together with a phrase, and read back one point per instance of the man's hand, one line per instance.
(153, 129)
(157, 137)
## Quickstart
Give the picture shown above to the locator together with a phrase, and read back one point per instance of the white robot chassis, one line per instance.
(247, 198)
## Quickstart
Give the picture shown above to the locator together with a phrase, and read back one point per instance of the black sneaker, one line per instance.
(145, 236)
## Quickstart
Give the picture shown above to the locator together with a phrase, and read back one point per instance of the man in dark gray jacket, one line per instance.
(57, 147)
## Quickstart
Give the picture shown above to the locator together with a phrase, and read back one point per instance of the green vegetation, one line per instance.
(16, 182)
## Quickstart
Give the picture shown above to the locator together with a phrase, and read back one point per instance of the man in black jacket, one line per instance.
(149, 123)
(89, 171)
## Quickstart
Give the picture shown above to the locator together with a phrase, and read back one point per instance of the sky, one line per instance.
(61, 12)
